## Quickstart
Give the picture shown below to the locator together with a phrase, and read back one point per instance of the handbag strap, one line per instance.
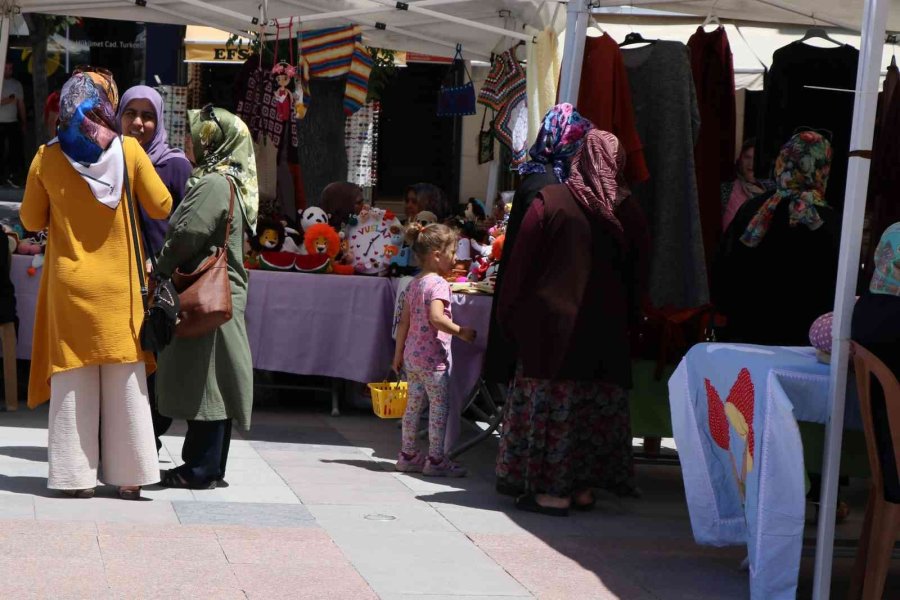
(230, 211)
(134, 235)
(458, 57)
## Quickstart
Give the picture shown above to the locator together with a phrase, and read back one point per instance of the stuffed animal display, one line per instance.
(322, 244)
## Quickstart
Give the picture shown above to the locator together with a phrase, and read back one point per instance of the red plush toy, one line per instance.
(487, 267)
(323, 240)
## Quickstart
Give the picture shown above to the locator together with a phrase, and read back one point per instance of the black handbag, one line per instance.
(160, 310)
(456, 100)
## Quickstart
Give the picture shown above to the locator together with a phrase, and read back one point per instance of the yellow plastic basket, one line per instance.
(389, 399)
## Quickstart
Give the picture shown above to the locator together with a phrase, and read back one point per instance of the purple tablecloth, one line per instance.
(330, 325)
(474, 311)
(26, 299)
(326, 325)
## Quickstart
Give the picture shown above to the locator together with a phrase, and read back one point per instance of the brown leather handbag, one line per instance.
(205, 293)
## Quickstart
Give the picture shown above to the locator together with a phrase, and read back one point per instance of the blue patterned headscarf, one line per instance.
(561, 135)
(886, 278)
(87, 115)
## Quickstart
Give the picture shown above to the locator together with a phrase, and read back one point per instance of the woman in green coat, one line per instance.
(209, 380)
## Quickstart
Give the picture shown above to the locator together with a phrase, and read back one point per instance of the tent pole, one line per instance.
(5, 25)
(573, 50)
(867, 80)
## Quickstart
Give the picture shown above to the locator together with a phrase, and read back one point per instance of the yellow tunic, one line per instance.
(89, 309)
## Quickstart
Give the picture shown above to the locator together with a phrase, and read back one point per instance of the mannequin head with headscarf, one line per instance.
(801, 176)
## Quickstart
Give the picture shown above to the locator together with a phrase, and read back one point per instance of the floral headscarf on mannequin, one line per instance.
(801, 175)
(222, 144)
(560, 136)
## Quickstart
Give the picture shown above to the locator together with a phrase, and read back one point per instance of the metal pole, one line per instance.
(573, 50)
(867, 80)
(5, 24)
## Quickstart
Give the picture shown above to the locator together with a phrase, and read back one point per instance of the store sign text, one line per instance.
(231, 53)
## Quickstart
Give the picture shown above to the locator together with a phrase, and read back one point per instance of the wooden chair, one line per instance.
(10, 376)
(8, 338)
(881, 526)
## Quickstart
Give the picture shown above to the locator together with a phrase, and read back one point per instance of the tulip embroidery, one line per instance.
(737, 410)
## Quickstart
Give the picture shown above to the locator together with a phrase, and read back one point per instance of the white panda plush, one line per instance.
(309, 217)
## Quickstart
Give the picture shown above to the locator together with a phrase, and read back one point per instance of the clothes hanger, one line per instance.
(711, 19)
(596, 24)
(892, 40)
(818, 32)
(635, 38)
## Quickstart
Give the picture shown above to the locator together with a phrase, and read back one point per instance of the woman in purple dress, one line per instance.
(141, 117)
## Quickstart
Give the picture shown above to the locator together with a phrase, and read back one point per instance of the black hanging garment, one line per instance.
(794, 101)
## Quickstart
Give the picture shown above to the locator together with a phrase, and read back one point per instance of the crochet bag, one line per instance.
(485, 141)
(456, 100)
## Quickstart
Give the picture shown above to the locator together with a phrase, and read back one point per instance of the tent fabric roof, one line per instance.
(427, 33)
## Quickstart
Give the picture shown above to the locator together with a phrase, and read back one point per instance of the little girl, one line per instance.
(423, 349)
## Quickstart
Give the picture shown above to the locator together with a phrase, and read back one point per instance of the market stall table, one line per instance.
(734, 416)
(323, 325)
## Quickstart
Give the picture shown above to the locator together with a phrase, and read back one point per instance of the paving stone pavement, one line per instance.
(314, 510)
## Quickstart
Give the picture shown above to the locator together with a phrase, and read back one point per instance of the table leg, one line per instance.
(493, 412)
(336, 385)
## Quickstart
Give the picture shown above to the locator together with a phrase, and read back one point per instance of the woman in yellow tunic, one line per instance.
(87, 360)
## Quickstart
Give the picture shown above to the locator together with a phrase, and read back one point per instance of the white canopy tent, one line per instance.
(482, 26)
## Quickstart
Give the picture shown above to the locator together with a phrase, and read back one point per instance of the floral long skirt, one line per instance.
(563, 436)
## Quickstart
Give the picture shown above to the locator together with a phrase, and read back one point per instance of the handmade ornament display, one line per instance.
(361, 143)
(374, 240)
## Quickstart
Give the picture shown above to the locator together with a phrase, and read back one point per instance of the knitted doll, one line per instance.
(283, 98)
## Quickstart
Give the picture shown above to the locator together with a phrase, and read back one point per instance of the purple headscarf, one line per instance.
(158, 149)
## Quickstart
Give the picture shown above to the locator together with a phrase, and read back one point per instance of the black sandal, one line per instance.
(529, 503)
(172, 479)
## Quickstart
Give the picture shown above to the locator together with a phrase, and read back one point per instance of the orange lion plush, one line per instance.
(323, 239)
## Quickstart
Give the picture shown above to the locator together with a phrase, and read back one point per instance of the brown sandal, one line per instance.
(130, 494)
(85, 493)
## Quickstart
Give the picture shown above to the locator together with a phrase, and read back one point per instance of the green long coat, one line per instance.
(208, 378)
